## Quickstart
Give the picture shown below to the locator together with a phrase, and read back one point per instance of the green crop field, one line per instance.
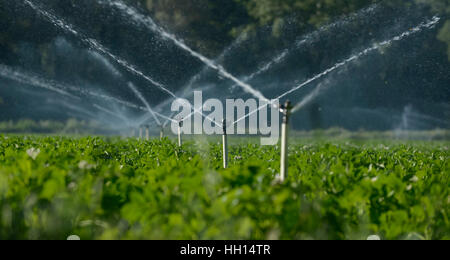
(107, 188)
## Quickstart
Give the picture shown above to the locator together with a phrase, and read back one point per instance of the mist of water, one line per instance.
(406, 122)
(310, 38)
(150, 24)
(430, 119)
(405, 118)
(218, 60)
(105, 62)
(96, 46)
(101, 49)
(187, 89)
(167, 121)
(139, 95)
(278, 59)
(29, 79)
(64, 89)
(339, 23)
(77, 111)
(112, 113)
(424, 25)
(32, 80)
(309, 98)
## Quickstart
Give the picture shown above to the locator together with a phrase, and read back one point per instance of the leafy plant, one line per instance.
(103, 188)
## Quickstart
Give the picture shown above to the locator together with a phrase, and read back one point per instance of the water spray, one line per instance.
(139, 95)
(32, 80)
(225, 145)
(286, 111)
(424, 25)
(309, 39)
(161, 132)
(92, 43)
(147, 21)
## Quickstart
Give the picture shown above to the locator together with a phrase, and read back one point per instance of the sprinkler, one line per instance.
(225, 145)
(141, 132)
(180, 125)
(147, 132)
(161, 132)
(286, 111)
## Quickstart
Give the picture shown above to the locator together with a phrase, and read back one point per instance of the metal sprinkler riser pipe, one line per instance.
(225, 145)
(286, 110)
(141, 133)
(180, 125)
(147, 132)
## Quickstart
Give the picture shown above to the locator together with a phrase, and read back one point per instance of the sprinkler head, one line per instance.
(286, 110)
(224, 125)
(287, 106)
